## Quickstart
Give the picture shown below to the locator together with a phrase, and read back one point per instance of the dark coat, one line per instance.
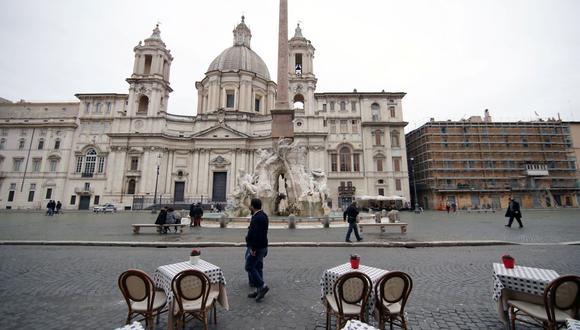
(515, 210)
(197, 212)
(257, 237)
(161, 217)
(351, 213)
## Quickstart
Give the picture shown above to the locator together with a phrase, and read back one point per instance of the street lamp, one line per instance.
(415, 186)
(156, 181)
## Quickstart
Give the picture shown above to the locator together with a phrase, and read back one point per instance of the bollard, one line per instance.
(326, 221)
(223, 221)
(291, 222)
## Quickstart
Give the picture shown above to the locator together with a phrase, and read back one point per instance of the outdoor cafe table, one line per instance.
(164, 275)
(572, 324)
(521, 283)
(330, 276)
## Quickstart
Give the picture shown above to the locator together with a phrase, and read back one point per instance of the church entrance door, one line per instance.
(219, 186)
(178, 192)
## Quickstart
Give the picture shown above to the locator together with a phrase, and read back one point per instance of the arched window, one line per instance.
(298, 102)
(375, 112)
(90, 161)
(395, 143)
(143, 104)
(131, 187)
(345, 160)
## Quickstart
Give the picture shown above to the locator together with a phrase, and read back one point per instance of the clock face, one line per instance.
(298, 69)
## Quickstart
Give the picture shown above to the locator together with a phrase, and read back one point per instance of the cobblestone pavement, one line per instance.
(541, 226)
(76, 287)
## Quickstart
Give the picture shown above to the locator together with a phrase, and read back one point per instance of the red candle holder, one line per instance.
(354, 261)
(508, 261)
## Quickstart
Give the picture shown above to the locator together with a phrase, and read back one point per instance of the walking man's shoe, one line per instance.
(348, 241)
(261, 293)
(359, 239)
(253, 294)
(508, 226)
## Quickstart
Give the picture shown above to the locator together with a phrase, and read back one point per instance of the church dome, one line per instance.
(240, 56)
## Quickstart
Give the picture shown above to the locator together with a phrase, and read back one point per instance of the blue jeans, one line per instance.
(255, 265)
(352, 226)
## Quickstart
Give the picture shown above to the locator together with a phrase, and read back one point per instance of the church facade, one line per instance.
(127, 149)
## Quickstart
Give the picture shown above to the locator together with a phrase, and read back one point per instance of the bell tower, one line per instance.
(149, 84)
(301, 76)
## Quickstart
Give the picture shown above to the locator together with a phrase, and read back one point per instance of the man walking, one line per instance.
(257, 249)
(351, 213)
(512, 212)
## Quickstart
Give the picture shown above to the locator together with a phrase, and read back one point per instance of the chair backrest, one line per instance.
(352, 288)
(190, 285)
(136, 285)
(394, 287)
(562, 293)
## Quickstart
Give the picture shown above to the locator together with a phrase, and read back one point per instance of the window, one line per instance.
(379, 162)
(332, 126)
(21, 143)
(445, 144)
(57, 144)
(79, 166)
(324, 107)
(98, 107)
(90, 160)
(16, 164)
(345, 160)
(525, 142)
(87, 186)
(381, 191)
(344, 126)
(101, 166)
(31, 196)
(48, 193)
(73, 200)
(52, 165)
(298, 102)
(465, 130)
(36, 165)
(466, 142)
(447, 164)
(398, 184)
(354, 124)
(333, 162)
(97, 199)
(397, 164)
(143, 104)
(131, 187)
(87, 107)
(2, 143)
(109, 105)
(547, 142)
(392, 111)
(356, 162)
(40, 144)
(342, 106)
(257, 104)
(353, 106)
(378, 137)
(443, 130)
(12, 192)
(331, 105)
(147, 67)
(375, 112)
(381, 181)
(395, 143)
(230, 99)
(4, 131)
(134, 163)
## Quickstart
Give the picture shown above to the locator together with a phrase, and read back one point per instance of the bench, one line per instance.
(137, 226)
(402, 225)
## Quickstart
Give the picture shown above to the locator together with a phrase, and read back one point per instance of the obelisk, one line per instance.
(282, 114)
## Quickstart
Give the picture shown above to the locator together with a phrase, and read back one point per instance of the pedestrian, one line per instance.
(49, 207)
(191, 213)
(453, 206)
(197, 215)
(351, 213)
(171, 218)
(58, 207)
(513, 211)
(161, 218)
(448, 207)
(257, 249)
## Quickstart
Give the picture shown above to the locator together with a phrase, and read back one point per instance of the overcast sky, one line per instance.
(453, 58)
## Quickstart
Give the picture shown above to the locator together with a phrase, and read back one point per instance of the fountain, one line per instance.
(281, 181)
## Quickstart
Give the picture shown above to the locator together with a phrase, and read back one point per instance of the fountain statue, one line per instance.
(281, 181)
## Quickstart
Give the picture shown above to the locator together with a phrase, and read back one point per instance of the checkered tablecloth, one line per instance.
(357, 325)
(572, 324)
(522, 279)
(330, 276)
(134, 326)
(164, 275)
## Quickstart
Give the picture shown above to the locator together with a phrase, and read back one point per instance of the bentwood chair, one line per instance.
(391, 294)
(348, 299)
(561, 302)
(141, 296)
(194, 297)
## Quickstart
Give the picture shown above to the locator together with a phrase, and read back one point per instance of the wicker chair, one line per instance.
(391, 294)
(561, 302)
(348, 299)
(141, 296)
(194, 297)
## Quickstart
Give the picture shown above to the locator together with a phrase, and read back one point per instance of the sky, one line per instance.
(454, 58)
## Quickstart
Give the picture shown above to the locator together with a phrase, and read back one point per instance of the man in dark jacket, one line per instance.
(195, 213)
(257, 249)
(513, 211)
(351, 213)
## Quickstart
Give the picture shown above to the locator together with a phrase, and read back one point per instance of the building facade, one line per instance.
(129, 150)
(478, 163)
